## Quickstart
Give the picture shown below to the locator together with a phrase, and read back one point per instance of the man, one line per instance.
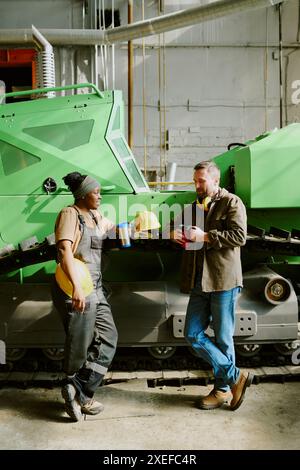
(215, 276)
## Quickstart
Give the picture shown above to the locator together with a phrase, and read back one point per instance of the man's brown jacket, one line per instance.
(226, 225)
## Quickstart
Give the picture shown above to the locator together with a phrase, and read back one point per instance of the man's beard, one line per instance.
(201, 195)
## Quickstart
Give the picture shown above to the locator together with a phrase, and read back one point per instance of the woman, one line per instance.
(91, 335)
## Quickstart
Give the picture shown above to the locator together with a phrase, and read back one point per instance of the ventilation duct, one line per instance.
(45, 69)
(161, 24)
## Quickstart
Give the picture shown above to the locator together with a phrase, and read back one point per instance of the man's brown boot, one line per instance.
(239, 388)
(214, 399)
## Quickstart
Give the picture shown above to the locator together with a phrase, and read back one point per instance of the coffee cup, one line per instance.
(124, 234)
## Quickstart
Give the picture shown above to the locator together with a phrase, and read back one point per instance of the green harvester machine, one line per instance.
(41, 140)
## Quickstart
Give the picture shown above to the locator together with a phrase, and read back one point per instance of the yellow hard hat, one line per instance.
(84, 277)
(146, 220)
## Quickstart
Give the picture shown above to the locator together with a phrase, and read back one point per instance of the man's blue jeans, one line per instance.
(220, 308)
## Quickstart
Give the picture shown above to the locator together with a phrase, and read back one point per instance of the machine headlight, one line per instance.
(277, 290)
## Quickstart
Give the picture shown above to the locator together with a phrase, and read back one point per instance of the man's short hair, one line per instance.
(210, 166)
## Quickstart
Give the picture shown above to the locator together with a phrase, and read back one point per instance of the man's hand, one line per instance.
(198, 235)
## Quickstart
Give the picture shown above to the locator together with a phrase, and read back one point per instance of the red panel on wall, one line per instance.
(16, 57)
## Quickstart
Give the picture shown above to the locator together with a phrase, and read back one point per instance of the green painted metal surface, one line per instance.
(42, 140)
(48, 138)
(51, 137)
(267, 169)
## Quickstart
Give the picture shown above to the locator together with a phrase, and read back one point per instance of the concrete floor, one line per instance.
(138, 417)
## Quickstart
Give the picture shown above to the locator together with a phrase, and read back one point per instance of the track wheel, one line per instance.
(15, 354)
(286, 349)
(162, 352)
(193, 352)
(54, 354)
(248, 350)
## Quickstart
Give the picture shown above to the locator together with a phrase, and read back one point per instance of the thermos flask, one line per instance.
(124, 234)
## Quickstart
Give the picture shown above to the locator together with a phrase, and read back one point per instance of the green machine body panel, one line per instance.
(48, 138)
(55, 136)
(264, 174)
(267, 169)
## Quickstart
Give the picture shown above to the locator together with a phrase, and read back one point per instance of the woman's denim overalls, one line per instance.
(91, 336)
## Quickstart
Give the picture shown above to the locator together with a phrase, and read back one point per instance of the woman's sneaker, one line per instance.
(72, 406)
(92, 407)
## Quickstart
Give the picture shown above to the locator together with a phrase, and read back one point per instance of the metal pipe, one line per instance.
(83, 14)
(161, 174)
(96, 13)
(166, 183)
(171, 173)
(92, 22)
(139, 29)
(162, 98)
(57, 88)
(286, 105)
(185, 18)
(40, 41)
(266, 73)
(45, 71)
(164, 78)
(105, 47)
(113, 46)
(280, 66)
(215, 45)
(298, 29)
(144, 98)
(130, 79)
(101, 47)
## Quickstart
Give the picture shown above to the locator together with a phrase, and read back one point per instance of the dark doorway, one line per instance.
(16, 79)
(108, 17)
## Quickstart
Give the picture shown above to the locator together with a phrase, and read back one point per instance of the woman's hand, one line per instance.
(178, 237)
(67, 262)
(78, 300)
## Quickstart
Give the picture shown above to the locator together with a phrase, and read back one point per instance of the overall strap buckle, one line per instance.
(80, 219)
(94, 218)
